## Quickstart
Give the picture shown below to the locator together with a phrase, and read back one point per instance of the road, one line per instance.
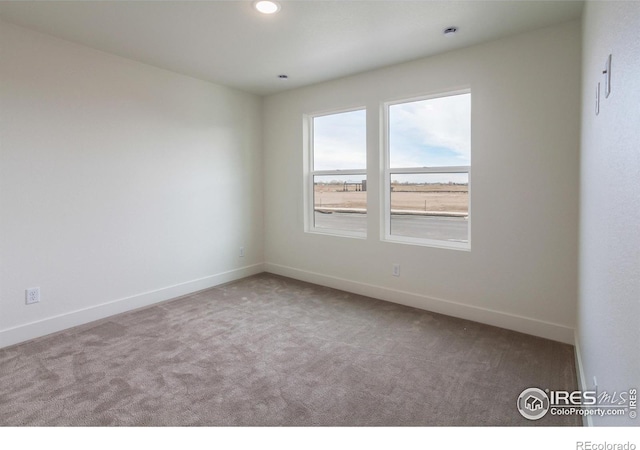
(430, 227)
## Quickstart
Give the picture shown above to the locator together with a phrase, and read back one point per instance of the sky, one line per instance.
(427, 133)
(340, 141)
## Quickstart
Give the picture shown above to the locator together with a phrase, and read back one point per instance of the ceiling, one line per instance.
(311, 41)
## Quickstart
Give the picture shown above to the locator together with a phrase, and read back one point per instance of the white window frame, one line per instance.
(310, 173)
(386, 182)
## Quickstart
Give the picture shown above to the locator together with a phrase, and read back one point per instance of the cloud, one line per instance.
(427, 133)
(434, 132)
(340, 141)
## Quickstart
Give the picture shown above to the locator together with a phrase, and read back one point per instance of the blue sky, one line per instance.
(431, 133)
(427, 133)
(340, 141)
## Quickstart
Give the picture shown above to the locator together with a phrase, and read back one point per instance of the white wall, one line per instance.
(120, 184)
(521, 272)
(609, 293)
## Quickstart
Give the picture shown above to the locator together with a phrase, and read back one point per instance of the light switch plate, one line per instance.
(607, 77)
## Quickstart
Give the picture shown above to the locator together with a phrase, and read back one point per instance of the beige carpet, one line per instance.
(272, 351)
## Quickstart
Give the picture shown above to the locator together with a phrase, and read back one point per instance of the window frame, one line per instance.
(310, 173)
(387, 172)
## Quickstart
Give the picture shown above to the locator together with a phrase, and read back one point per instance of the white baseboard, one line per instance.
(548, 330)
(587, 421)
(61, 322)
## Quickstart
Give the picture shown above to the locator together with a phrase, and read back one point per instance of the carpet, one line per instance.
(272, 351)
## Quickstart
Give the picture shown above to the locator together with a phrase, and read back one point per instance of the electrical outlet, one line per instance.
(32, 295)
(396, 270)
(241, 252)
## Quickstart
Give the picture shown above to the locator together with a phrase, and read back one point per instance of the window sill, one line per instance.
(449, 245)
(337, 233)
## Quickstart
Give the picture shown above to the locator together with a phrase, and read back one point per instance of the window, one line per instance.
(337, 176)
(427, 171)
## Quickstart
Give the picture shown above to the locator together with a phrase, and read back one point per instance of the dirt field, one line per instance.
(416, 197)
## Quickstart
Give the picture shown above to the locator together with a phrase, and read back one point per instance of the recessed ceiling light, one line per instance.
(267, 6)
(450, 31)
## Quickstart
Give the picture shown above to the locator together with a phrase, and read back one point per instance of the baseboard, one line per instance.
(587, 421)
(548, 330)
(61, 322)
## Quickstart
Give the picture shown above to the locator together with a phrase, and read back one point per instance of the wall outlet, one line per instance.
(396, 270)
(32, 295)
(241, 252)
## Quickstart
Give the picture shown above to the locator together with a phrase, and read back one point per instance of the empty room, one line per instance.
(321, 213)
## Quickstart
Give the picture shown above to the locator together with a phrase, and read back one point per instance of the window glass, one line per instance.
(428, 171)
(430, 133)
(430, 206)
(340, 141)
(340, 202)
(338, 176)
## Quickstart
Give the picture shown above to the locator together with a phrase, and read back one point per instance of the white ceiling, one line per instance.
(228, 42)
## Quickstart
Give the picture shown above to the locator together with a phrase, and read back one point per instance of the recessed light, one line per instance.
(267, 6)
(450, 31)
